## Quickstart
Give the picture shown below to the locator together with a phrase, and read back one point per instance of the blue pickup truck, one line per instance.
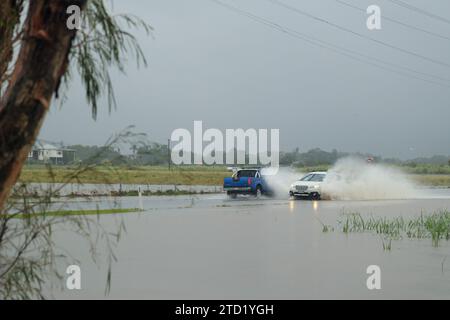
(246, 181)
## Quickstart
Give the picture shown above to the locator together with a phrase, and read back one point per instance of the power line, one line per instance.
(419, 10)
(306, 14)
(434, 34)
(340, 50)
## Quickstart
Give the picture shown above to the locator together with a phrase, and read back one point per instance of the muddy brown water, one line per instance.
(209, 247)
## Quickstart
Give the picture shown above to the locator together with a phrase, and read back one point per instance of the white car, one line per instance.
(309, 186)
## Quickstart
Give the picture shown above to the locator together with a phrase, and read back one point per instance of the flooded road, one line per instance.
(209, 247)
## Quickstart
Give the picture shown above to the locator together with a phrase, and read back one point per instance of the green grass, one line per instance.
(425, 175)
(409, 168)
(181, 175)
(66, 213)
(435, 226)
(135, 193)
(185, 175)
(433, 180)
(426, 168)
(325, 228)
(306, 169)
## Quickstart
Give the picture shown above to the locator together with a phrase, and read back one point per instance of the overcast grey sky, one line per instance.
(209, 63)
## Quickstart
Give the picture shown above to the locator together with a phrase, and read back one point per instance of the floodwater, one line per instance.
(210, 247)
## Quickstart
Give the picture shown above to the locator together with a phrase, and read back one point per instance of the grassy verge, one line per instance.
(413, 169)
(183, 175)
(78, 213)
(186, 175)
(135, 193)
(433, 180)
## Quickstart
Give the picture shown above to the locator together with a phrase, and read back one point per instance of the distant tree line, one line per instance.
(318, 157)
(144, 154)
(157, 154)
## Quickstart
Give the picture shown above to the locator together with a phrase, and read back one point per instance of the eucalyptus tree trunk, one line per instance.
(9, 19)
(38, 69)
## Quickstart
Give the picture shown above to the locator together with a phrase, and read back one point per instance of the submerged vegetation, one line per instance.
(66, 213)
(435, 226)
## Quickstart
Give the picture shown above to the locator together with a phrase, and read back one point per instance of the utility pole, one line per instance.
(168, 153)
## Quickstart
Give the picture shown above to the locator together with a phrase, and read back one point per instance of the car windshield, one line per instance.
(306, 178)
(317, 177)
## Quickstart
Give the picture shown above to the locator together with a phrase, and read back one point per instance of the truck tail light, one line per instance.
(249, 181)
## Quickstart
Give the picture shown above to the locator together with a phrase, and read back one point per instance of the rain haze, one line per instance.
(325, 175)
(212, 63)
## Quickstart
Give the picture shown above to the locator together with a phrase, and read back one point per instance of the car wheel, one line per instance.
(232, 195)
(315, 196)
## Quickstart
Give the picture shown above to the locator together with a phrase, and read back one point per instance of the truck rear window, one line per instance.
(246, 174)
